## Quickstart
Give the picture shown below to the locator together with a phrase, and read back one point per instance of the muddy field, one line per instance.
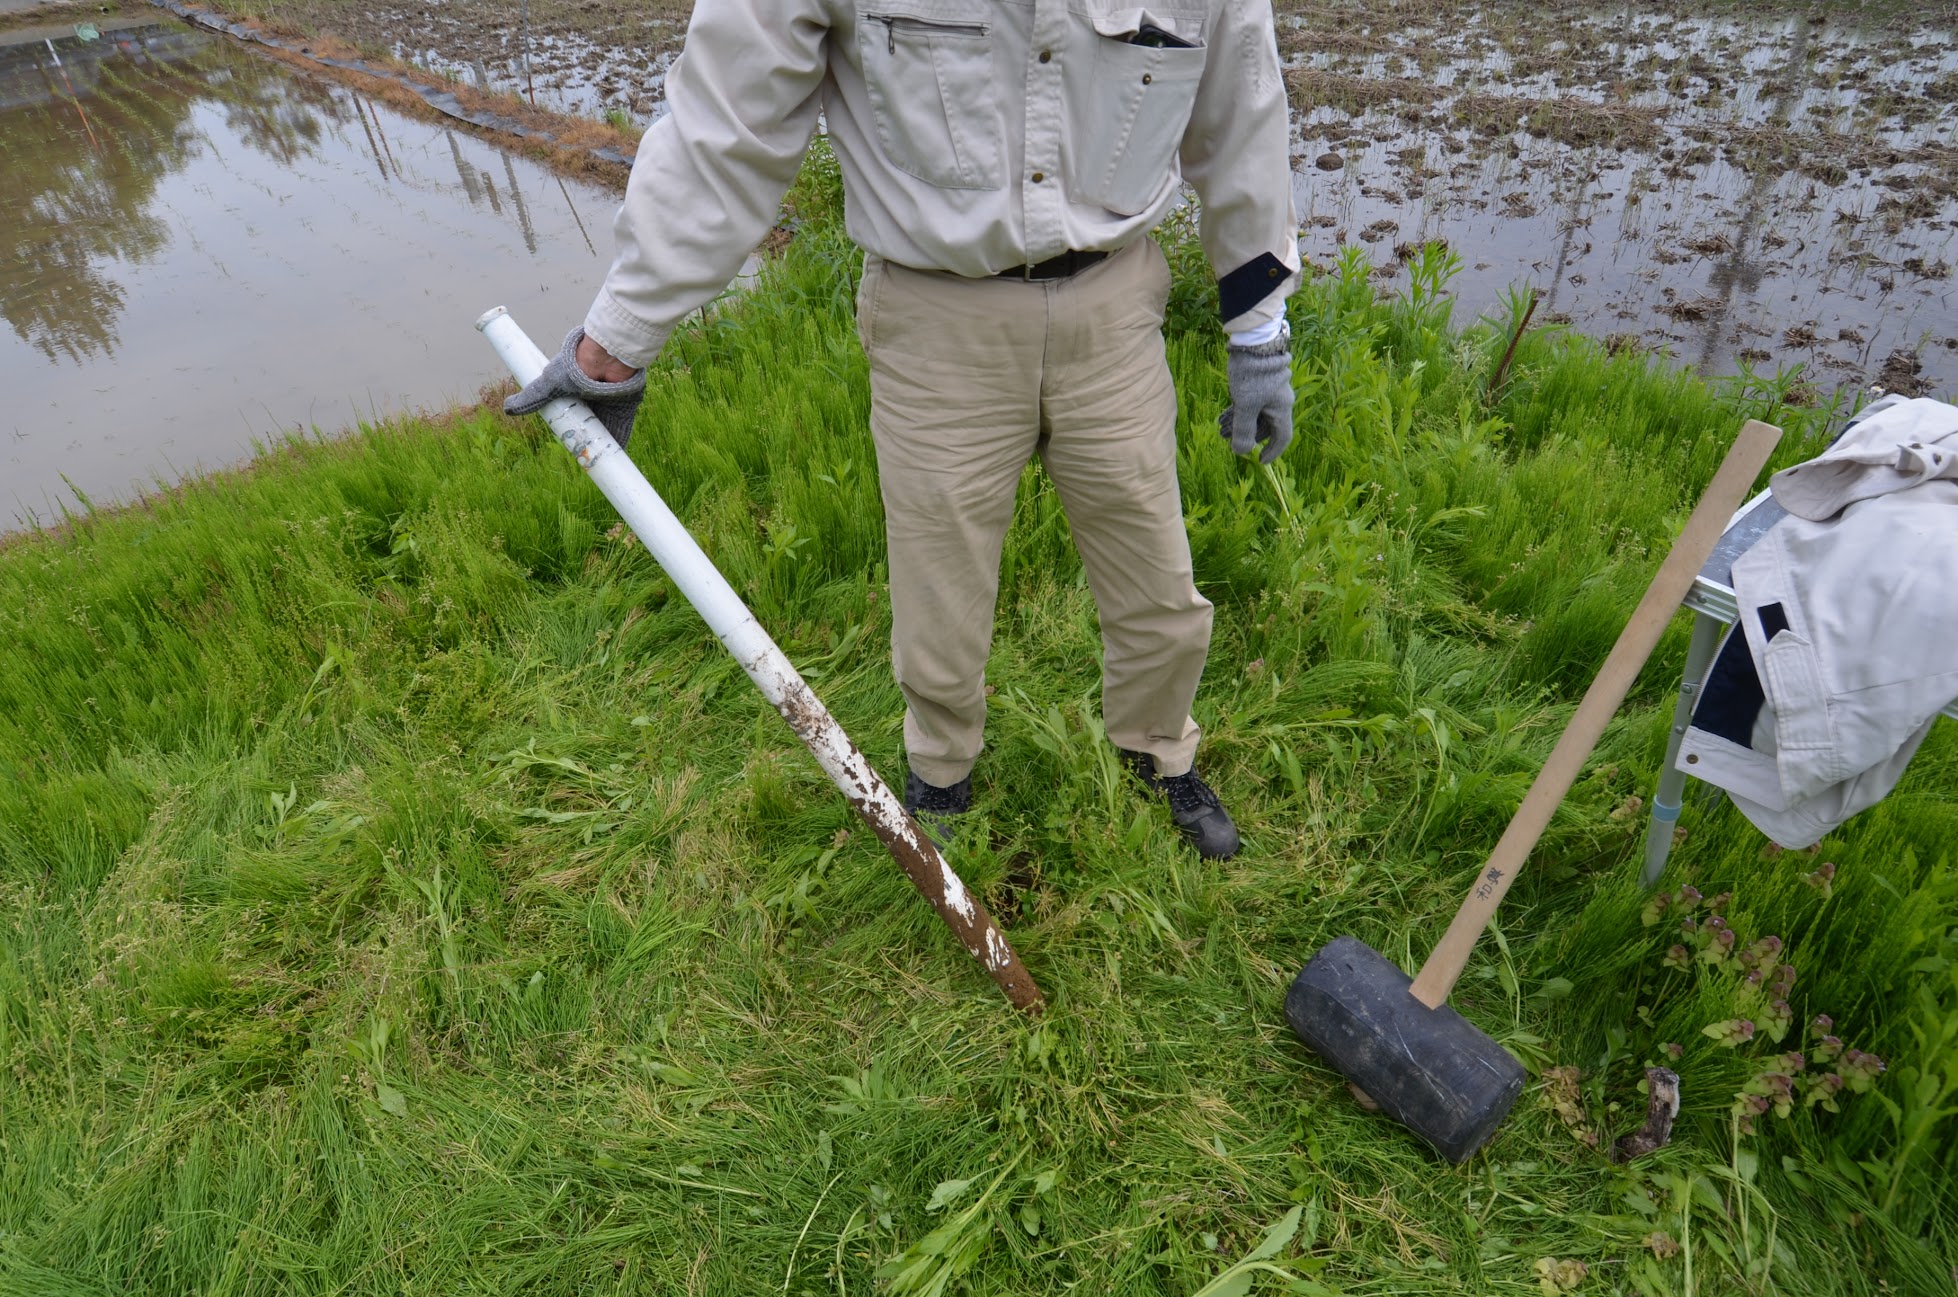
(1769, 186)
(593, 57)
(1737, 186)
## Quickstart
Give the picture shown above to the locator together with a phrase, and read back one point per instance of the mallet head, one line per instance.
(1429, 1069)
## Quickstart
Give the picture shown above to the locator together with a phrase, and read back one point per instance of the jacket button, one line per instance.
(1272, 273)
(1038, 176)
(1146, 78)
(1046, 56)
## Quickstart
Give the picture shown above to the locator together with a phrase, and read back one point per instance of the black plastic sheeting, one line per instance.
(442, 101)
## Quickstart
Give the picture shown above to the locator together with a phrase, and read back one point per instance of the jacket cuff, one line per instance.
(1255, 292)
(629, 338)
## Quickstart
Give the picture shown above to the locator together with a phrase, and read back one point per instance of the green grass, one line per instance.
(401, 892)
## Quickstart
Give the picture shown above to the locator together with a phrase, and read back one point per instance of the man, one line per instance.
(1003, 162)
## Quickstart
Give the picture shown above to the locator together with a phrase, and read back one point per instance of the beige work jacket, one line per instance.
(973, 135)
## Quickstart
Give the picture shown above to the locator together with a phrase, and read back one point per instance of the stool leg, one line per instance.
(1672, 781)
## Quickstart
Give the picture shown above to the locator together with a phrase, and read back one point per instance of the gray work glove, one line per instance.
(1261, 399)
(615, 404)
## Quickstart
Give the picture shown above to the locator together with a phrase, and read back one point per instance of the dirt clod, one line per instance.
(1903, 373)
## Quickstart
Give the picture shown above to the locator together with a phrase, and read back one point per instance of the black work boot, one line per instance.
(1199, 816)
(934, 807)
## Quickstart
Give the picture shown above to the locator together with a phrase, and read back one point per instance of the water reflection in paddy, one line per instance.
(200, 248)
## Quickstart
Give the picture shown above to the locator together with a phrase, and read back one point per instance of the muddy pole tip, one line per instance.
(483, 320)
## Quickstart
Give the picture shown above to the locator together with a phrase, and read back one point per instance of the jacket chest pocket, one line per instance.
(929, 74)
(1128, 115)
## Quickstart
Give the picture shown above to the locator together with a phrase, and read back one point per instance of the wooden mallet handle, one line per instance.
(1744, 462)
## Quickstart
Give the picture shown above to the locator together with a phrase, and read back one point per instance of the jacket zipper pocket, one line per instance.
(893, 21)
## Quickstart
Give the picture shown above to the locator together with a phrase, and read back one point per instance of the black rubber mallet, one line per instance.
(1397, 1042)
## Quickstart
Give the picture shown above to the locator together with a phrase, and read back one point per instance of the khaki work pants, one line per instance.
(969, 378)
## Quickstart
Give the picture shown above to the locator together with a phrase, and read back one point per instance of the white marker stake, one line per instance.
(614, 474)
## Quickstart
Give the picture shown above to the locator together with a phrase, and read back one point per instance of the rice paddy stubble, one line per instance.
(403, 893)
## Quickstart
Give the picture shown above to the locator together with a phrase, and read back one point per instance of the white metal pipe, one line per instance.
(675, 550)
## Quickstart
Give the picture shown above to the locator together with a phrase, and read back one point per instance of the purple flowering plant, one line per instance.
(1757, 983)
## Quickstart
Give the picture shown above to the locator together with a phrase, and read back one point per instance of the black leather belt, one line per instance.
(1068, 263)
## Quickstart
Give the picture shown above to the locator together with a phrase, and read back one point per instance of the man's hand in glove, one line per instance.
(1261, 398)
(585, 371)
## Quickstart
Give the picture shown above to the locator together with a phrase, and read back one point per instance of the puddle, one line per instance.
(200, 248)
(1770, 192)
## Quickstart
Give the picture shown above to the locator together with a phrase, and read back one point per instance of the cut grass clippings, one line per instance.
(401, 892)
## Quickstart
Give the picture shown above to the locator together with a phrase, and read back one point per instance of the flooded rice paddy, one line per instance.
(201, 250)
(563, 74)
(1762, 184)
(1767, 187)
(595, 58)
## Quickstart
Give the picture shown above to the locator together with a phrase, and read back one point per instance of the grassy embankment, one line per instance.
(400, 892)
